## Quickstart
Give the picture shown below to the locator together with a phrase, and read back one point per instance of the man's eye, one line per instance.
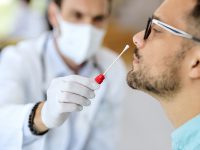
(156, 30)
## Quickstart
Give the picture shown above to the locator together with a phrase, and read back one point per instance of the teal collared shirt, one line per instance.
(187, 137)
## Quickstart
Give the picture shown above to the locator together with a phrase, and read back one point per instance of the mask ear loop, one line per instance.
(57, 30)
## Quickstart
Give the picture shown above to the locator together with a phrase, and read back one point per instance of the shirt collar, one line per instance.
(186, 133)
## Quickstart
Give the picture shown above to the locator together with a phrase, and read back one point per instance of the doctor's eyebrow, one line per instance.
(100, 17)
(80, 14)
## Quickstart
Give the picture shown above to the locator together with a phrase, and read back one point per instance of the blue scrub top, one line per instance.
(187, 137)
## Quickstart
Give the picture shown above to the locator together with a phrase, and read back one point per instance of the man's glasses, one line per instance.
(169, 28)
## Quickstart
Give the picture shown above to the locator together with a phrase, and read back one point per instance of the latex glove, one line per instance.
(66, 95)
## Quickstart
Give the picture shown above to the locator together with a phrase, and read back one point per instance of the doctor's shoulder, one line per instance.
(24, 50)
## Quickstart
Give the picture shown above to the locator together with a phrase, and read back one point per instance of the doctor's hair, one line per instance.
(59, 2)
(27, 1)
(196, 10)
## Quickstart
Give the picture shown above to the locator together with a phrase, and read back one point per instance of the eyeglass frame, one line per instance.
(168, 28)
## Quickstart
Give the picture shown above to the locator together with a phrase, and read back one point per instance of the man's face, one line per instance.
(158, 65)
(94, 12)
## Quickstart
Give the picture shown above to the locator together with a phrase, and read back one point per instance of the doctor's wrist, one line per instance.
(36, 125)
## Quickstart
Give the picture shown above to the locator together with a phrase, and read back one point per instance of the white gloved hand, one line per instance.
(66, 95)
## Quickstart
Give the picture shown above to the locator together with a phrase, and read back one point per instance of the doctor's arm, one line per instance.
(65, 95)
(13, 109)
(15, 106)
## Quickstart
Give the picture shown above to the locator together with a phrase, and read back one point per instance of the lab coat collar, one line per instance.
(55, 62)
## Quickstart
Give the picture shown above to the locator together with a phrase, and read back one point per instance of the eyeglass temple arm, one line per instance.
(196, 39)
(175, 31)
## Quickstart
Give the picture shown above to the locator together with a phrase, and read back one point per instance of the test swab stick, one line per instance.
(100, 78)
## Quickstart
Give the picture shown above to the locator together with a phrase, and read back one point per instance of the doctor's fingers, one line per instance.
(69, 107)
(78, 89)
(75, 99)
(87, 82)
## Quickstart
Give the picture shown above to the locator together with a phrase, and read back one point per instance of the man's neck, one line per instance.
(183, 107)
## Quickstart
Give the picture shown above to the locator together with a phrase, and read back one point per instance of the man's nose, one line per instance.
(138, 40)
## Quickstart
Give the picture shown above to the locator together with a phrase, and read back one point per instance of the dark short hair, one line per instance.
(59, 2)
(196, 10)
(27, 1)
(195, 16)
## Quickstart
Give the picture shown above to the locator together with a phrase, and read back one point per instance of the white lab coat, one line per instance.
(21, 86)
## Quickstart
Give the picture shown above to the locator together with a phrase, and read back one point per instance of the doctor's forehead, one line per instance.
(175, 11)
(87, 6)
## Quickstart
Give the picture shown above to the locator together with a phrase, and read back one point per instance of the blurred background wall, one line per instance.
(144, 124)
(21, 19)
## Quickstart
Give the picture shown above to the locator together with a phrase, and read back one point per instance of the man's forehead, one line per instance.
(175, 11)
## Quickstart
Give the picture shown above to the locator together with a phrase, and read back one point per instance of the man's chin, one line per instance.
(133, 87)
(130, 82)
(136, 85)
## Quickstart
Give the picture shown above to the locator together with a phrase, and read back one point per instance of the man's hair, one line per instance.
(195, 16)
(59, 2)
(196, 10)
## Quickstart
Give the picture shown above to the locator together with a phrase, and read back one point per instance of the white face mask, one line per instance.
(79, 41)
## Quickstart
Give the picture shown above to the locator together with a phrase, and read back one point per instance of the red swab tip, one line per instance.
(100, 78)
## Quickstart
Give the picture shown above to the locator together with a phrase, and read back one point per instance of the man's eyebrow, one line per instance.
(156, 17)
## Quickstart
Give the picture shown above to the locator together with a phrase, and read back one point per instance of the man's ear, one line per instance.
(52, 11)
(195, 63)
